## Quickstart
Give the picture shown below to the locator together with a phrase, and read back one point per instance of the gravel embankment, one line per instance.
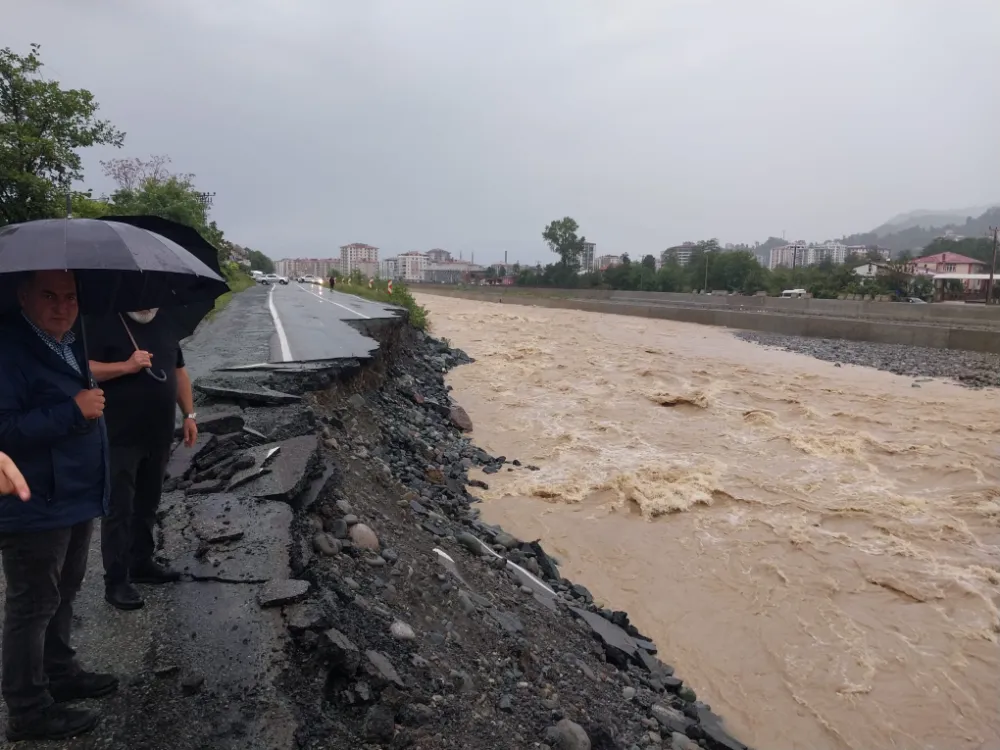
(425, 627)
(971, 369)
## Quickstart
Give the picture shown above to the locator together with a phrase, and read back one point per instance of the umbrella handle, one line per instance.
(160, 377)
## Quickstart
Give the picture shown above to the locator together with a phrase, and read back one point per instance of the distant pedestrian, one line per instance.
(138, 360)
(52, 428)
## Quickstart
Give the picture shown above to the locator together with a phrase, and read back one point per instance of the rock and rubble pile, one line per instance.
(425, 627)
(375, 607)
(971, 369)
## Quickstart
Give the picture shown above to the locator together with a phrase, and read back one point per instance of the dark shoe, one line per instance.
(55, 723)
(123, 596)
(151, 572)
(83, 686)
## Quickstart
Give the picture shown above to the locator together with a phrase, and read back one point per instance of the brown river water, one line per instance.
(816, 549)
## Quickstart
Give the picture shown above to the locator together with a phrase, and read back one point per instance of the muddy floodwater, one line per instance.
(815, 548)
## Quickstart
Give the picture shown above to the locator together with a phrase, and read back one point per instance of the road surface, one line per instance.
(312, 323)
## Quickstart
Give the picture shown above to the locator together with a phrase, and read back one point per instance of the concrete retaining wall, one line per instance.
(936, 314)
(937, 336)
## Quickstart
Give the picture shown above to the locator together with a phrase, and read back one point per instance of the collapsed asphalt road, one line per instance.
(311, 323)
(339, 588)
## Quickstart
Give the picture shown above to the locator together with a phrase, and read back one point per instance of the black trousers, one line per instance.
(44, 572)
(136, 485)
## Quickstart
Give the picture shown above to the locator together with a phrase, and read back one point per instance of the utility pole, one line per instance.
(69, 207)
(706, 272)
(993, 268)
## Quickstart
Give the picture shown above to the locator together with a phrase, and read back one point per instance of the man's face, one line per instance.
(48, 299)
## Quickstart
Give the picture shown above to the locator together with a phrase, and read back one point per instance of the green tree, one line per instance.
(148, 187)
(561, 237)
(85, 206)
(670, 277)
(259, 261)
(649, 261)
(41, 127)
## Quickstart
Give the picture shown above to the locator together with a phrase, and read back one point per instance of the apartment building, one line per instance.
(587, 257)
(295, 267)
(359, 256)
(681, 253)
(388, 268)
(411, 266)
(437, 255)
(604, 262)
(793, 254)
(449, 272)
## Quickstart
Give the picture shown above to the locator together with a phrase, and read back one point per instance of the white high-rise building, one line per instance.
(358, 256)
(410, 266)
(680, 253)
(587, 257)
(790, 255)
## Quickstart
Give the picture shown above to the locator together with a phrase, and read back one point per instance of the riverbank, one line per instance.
(971, 369)
(815, 544)
(429, 628)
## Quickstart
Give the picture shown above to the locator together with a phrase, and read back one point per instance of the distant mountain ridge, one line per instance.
(930, 219)
(909, 232)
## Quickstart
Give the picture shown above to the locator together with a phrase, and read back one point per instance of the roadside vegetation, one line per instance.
(357, 284)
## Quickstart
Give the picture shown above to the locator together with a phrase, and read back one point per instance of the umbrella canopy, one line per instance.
(186, 317)
(118, 267)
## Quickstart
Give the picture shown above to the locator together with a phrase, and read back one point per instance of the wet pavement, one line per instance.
(239, 335)
(197, 664)
(313, 323)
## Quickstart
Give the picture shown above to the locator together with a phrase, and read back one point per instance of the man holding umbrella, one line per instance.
(52, 427)
(137, 359)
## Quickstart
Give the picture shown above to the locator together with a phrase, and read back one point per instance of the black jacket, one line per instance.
(63, 456)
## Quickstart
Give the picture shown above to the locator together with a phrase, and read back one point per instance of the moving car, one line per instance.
(273, 278)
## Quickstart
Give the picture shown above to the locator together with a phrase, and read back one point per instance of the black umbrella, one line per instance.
(185, 318)
(118, 267)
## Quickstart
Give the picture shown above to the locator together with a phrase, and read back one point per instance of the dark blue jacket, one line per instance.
(63, 457)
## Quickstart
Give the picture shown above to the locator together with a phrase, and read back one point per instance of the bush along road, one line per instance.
(341, 590)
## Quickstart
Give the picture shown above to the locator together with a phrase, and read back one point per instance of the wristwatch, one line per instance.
(191, 416)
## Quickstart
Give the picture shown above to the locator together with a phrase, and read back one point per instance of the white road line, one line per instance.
(286, 351)
(324, 299)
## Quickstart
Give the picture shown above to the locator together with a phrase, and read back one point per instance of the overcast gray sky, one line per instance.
(469, 124)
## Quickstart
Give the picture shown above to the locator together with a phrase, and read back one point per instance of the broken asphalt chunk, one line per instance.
(259, 396)
(619, 646)
(277, 593)
(287, 471)
(711, 725)
(344, 655)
